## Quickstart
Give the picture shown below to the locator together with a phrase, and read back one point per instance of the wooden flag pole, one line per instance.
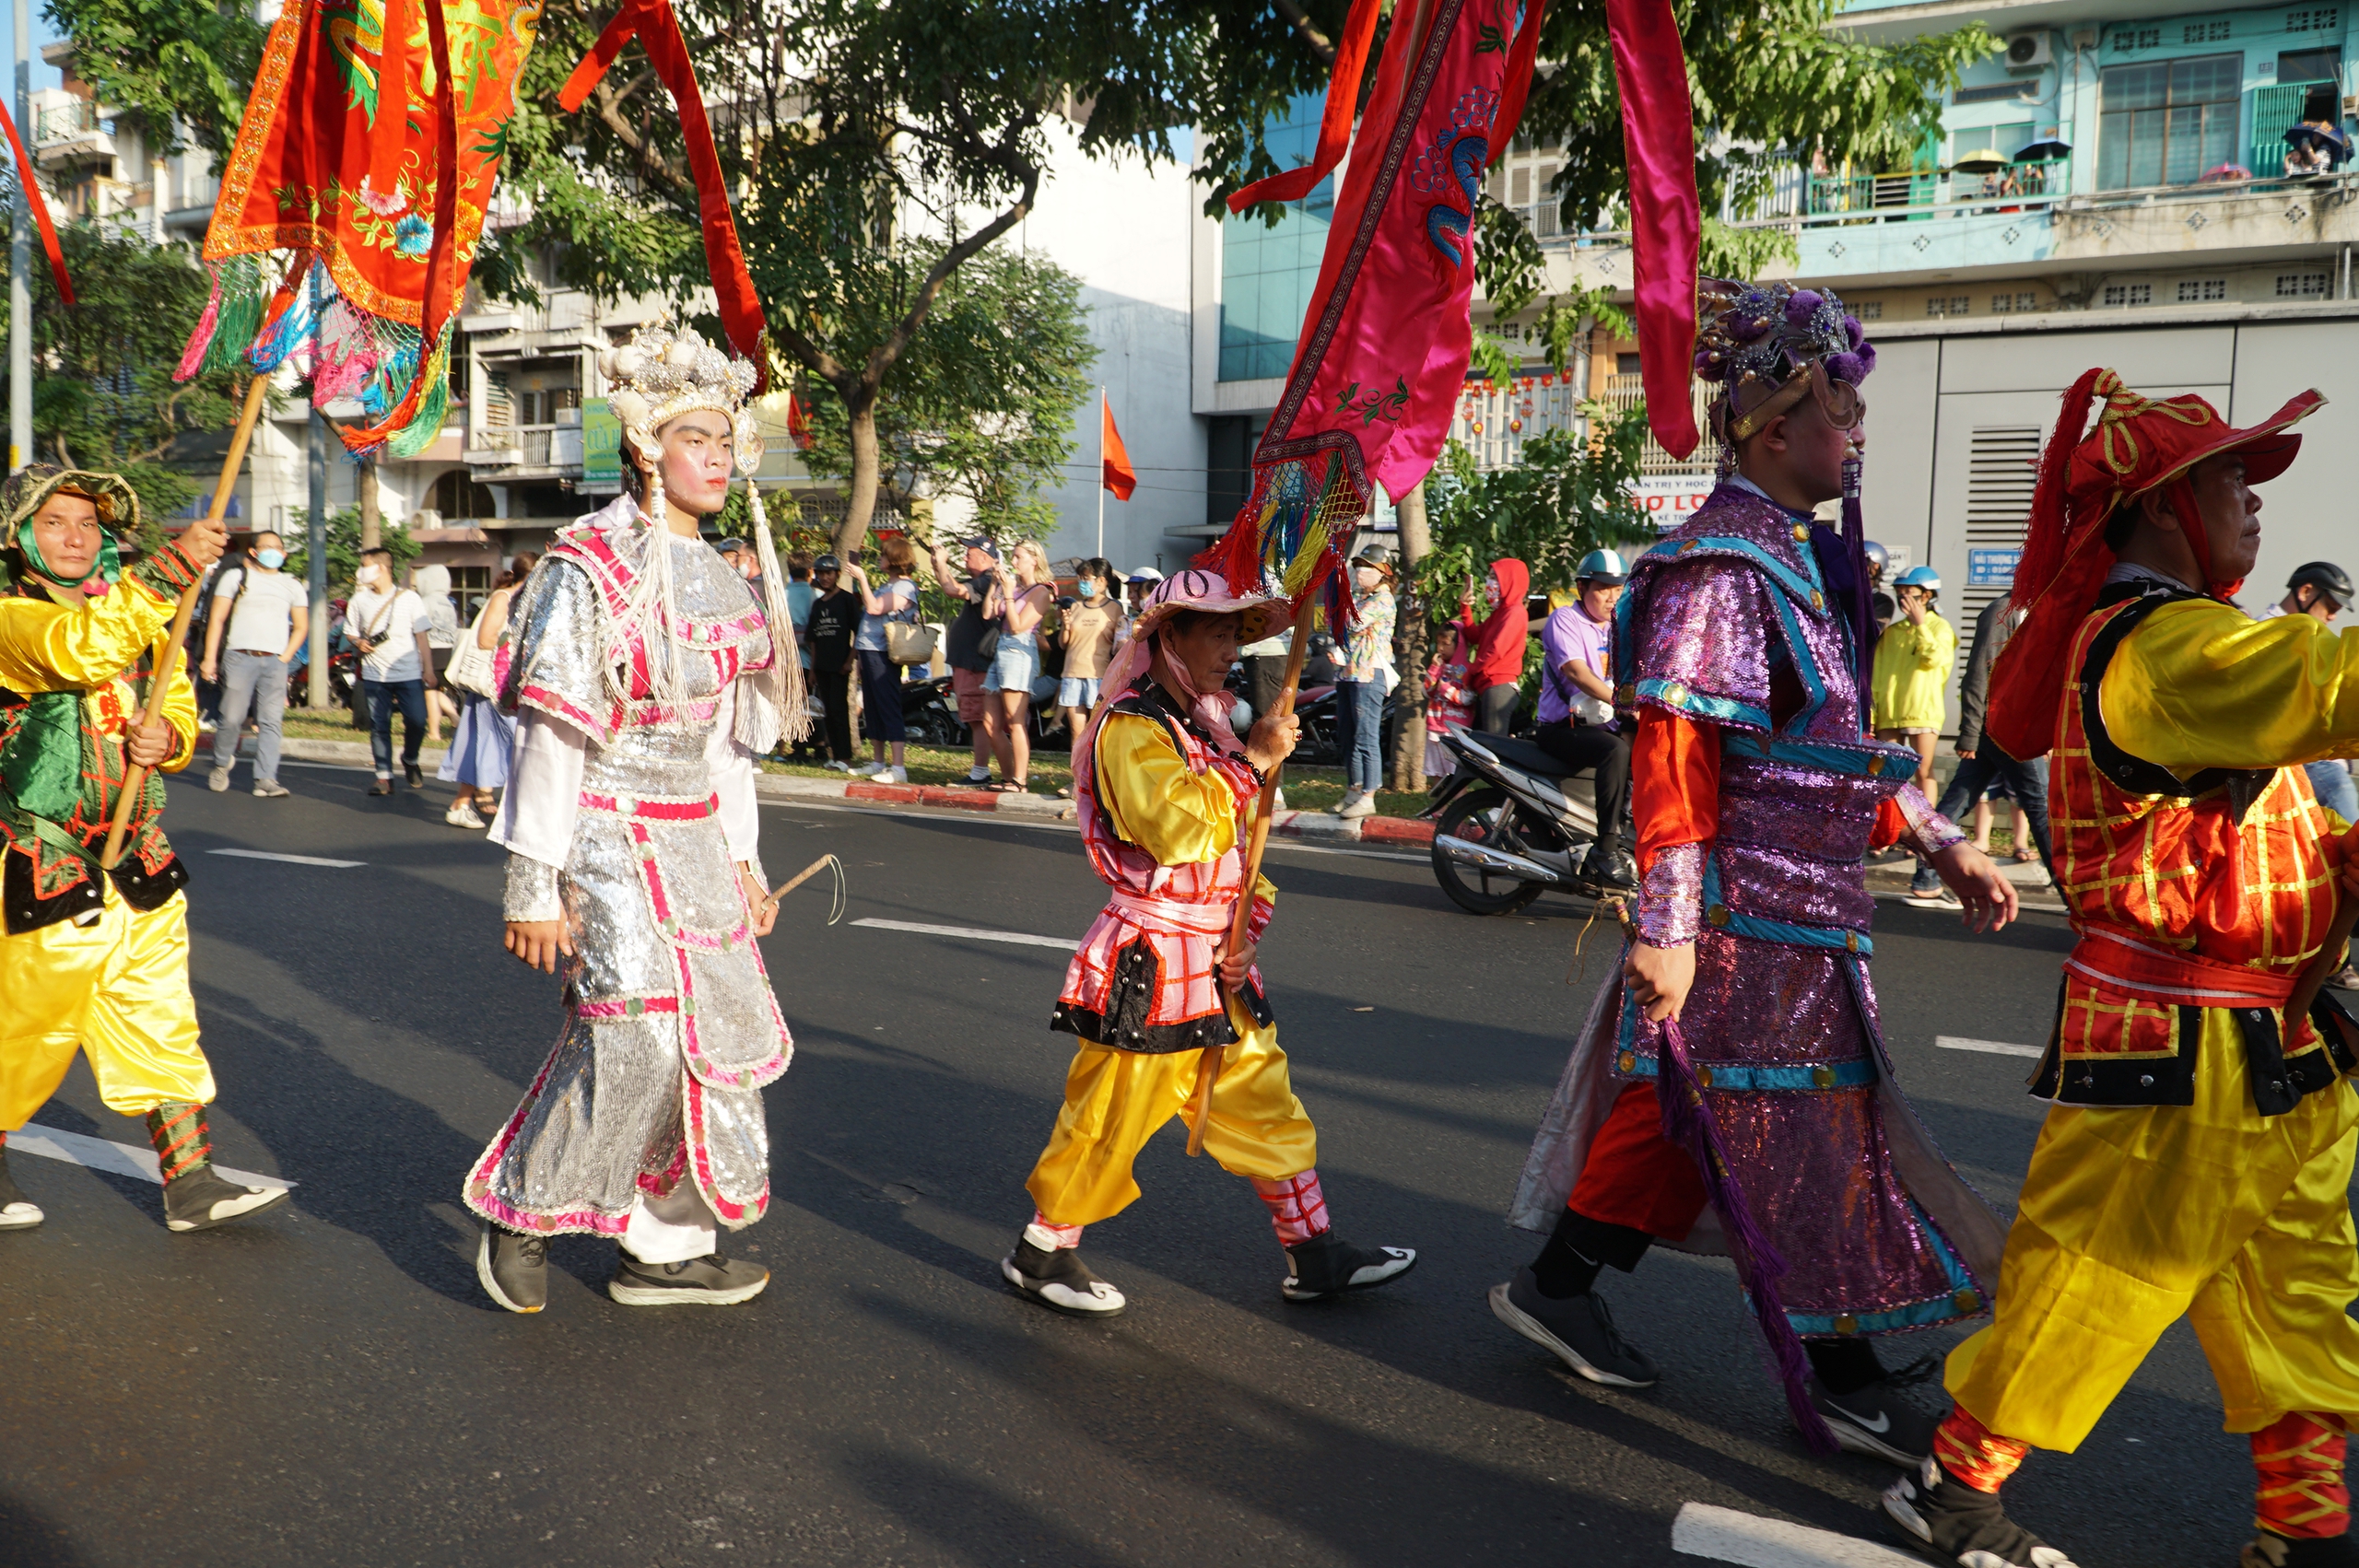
(168, 652)
(1208, 1065)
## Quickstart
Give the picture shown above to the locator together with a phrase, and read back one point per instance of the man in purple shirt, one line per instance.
(1577, 723)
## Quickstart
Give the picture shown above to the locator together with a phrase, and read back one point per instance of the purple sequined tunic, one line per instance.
(1729, 622)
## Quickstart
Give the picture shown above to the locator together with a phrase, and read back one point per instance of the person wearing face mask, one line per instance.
(95, 962)
(1497, 627)
(1166, 794)
(261, 616)
(647, 677)
(1368, 669)
(389, 626)
(1091, 627)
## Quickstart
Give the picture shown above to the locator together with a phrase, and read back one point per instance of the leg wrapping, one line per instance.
(183, 1140)
(2299, 1490)
(1297, 1209)
(1973, 1454)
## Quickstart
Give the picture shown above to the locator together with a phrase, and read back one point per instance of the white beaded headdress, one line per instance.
(653, 380)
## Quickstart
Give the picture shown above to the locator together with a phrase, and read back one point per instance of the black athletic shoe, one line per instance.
(1609, 872)
(1059, 1280)
(412, 772)
(513, 1269)
(710, 1281)
(2268, 1550)
(1878, 1420)
(198, 1199)
(1950, 1522)
(18, 1212)
(1327, 1265)
(1577, 1330)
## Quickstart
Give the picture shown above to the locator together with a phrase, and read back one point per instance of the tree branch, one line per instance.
(1316, 41)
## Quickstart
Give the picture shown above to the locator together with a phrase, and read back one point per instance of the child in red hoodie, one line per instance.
(1495, 667)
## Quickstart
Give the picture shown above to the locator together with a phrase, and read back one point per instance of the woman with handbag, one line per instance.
(889, 637)
(480, 746)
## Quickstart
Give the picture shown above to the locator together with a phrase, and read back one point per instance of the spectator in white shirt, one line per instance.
(262, 615)
(388, 625)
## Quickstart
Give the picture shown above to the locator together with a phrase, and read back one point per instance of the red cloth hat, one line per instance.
(2138, 444)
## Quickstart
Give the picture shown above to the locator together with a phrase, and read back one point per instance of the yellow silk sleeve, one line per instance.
(179, 712)
(44, 647)
(2202, 685)
(1151, 799)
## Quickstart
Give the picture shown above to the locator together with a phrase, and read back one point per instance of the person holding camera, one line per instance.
(388, 625)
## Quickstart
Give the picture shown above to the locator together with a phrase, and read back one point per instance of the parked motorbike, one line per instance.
(930, 713)
(1509, 825)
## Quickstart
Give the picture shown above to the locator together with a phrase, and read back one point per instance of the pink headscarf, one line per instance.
(1206, 591)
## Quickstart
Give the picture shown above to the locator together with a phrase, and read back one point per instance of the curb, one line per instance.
(304, 750)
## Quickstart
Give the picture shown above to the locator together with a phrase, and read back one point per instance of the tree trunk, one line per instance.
(1409, 644)
(860, 502)
(371, 528)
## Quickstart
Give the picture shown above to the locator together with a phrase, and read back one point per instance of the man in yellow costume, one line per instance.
(93, 960)
(1165, 792)
(2197, 1158)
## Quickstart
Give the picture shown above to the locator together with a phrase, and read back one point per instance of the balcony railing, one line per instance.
(65, 121)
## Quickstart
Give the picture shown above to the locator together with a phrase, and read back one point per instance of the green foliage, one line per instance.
(105, 398)
(176, 64)
(343, 545)
(981, 405)
(1570, 495)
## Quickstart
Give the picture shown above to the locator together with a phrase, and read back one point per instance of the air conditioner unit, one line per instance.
(2028, 51)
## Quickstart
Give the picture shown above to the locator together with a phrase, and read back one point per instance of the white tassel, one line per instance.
(786, 660)
(650, 614)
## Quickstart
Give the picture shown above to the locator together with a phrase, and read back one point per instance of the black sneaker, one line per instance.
(1950, 1522)
(710, 1281)
(198, 1199)
(1327, 1265)
(412, 772)
(1878, 1420)
(18, 1212)
(2268, 1550)
(1059, 1280)
(513, 1269)
(1578, 1330)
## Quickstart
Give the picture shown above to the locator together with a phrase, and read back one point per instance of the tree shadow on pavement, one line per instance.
(28, 1538)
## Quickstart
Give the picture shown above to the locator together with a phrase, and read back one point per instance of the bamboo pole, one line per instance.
(1208, 1065)
(168, 652)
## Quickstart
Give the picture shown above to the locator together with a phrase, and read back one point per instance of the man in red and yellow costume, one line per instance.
(2197, 1158)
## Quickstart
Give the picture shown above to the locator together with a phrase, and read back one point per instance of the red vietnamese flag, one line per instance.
(1113, 458)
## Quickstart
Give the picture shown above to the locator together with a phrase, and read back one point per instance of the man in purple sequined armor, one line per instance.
(1728, 1092)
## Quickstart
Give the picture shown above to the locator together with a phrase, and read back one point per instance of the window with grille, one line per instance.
(2166, 123)
(2002, 464)
(2003, 303)
(2320, 20)
(2300, 286)
(1869, 310)
(1951, 305)
(2197, 289)
(2122, 293)
(2127, 39)
(2206, 32)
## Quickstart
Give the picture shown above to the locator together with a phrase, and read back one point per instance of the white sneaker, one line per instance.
(217, 780)
(462, 814)
(1359, 802)
(1351, 798)
(868, 770)
(894, 776)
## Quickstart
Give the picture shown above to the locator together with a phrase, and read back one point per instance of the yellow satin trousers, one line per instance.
(1115, 1101)
(117, 990)
(2130, 1218)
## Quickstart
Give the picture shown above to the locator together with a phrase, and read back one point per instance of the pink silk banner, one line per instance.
(1658, 141)
(1385, 343)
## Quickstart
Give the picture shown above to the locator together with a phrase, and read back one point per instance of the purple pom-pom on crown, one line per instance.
(1867, 358)
(1845, 367)
(1801, 304)
(1749, 329)
(1854, 332)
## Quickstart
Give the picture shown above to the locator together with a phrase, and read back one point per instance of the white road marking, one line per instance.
(291, 860)
(1988, 1048)
(121, 1159)
(1726, 1535)
(975, 932)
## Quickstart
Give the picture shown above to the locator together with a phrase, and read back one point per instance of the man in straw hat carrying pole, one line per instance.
(2197, 1158)
(1165, 794)
(96, 960)
(1730, 1092)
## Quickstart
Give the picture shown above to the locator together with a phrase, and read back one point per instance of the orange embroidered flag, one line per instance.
(1113, 458)
(354, 199)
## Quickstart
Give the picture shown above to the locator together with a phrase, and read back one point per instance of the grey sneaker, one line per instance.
(269, 789)
(710, 1281)
(217, 780)
(513, 1269)
(1578, 1330)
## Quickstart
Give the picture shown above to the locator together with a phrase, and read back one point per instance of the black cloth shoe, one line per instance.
(513, 1269)
(412, 772)
(382, 787)
(1878, 1420)
(1577, 1330)
(18, 1212)
(1950, 1522)
(1059, 1280)
(1327, 1265)
(198, 1199)
(2268, 1550)
(710, 1281)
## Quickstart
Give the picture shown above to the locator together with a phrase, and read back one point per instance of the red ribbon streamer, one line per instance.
(658, 30)
(1517, 89)
(1666, 221)
(1335, 121)
(40, 208)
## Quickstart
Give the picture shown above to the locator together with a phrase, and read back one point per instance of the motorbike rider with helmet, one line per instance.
(1576, 722)
(2323, 591)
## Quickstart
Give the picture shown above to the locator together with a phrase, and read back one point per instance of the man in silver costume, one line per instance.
(648, 676)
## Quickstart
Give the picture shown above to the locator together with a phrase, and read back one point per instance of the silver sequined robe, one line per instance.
(670, 1024)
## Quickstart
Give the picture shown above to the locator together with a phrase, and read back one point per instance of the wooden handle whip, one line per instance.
(168, 652)
(799, 878)
(1208, 1065)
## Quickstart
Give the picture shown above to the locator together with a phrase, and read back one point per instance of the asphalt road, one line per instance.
(328, 1385)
